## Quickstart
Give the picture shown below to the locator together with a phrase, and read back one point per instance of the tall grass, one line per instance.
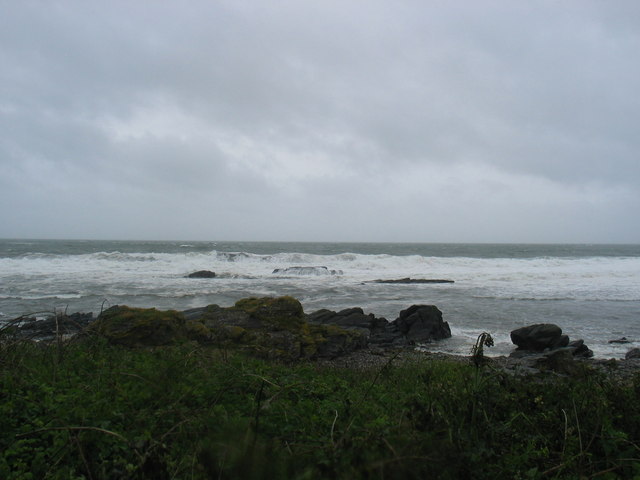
(95, 411)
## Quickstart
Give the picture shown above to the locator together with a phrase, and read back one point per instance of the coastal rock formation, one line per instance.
(539, 337)
(633, 353)
(580, 349)
(51, 327)
(306, 271)
(422, 324)
(271, 327)
(417, 324)
(546, 337)
(377, 330)
(202, 274)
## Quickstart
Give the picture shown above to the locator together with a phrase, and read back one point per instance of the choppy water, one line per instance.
(591, 291)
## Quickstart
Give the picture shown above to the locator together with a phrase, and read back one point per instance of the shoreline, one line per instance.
(370, 342)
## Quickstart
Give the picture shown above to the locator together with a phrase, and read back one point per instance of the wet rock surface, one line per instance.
(414, 280)
(307, 270)
(202, 274)
(51, 327)
(538, 337)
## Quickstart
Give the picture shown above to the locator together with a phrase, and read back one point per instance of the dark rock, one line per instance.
(49, 328)
(348, 318)
(422, 324)
(580, 349)
(202, 274)
(414, 280)
(193, 314)
(377, 330)
(633, 353)
(559, 360)
(622, 340)
(539, 337)
(306, 271)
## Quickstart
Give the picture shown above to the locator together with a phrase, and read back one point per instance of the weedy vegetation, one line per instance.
(91, 410)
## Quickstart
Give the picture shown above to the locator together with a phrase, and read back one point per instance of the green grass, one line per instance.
(98, 411)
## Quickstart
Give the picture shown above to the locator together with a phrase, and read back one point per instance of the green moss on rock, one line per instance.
(133, 327)
(284, 312)
(196, 330)
(276, 328)
(268, 327)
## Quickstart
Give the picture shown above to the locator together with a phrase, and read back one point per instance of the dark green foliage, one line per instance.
(98, 411)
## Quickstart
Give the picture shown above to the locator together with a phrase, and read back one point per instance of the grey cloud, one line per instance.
(313, 109)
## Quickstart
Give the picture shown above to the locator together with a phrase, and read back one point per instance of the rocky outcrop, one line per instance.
(422, 324)
(272, 327)
(546, 337)
(633, 353)
(539, 337)
(376, 330)
(580, 349)
(414, 280)
(417, 324)
(268, 327)
(49, 328)
(202, 274)
(306, 271)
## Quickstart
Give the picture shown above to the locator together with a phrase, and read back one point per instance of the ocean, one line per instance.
(591, 291)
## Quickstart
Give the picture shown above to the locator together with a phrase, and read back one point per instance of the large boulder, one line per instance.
(134, 327)
(633, 353)
(422, 324)
(539, 337)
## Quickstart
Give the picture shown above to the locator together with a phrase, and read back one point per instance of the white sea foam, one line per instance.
(597, 298)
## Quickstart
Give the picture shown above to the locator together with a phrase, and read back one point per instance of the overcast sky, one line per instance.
(417, 121)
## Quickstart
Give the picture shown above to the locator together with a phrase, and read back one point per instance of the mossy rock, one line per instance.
(284, 312)
(133, 327)
(274, 328)
(197, 331)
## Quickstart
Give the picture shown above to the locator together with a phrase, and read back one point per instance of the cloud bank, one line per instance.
(491, 121)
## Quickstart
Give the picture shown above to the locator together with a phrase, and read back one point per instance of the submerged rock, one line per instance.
(414, 280)
(202, 274)
(306, 271)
